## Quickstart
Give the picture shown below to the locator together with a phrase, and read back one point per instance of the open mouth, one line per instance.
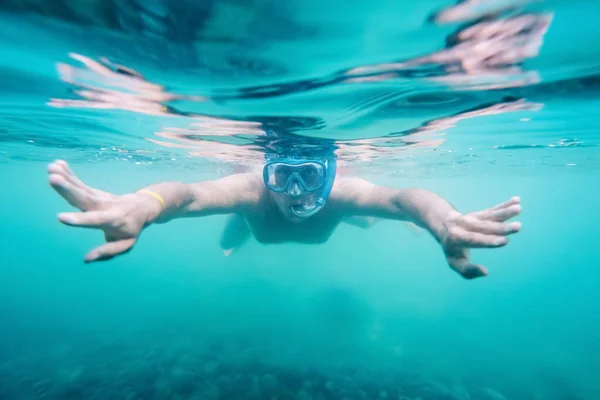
(301, 203)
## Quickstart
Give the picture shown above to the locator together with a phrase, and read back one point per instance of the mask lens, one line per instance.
(309, 176)
(282, 175)
(313, 176)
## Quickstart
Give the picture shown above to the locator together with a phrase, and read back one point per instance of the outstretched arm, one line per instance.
(122, 218)
(456, 232)
(230, 194)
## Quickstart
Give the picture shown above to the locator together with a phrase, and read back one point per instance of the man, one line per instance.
(295, 199)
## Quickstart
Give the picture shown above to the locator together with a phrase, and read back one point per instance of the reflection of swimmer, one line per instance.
(486, 54)
(295, 199)
(104, 84)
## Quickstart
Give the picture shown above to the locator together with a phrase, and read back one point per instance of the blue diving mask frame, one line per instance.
(307, 175)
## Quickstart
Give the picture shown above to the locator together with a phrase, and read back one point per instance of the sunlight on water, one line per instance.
(460, 97)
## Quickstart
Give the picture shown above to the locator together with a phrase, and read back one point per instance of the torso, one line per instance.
(269, 226)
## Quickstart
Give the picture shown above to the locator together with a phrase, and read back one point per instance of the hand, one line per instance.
(482, 229)
(122, 218)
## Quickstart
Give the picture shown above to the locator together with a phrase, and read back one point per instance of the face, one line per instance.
(294, 184)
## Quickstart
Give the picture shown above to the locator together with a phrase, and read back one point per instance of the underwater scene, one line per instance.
(299, 200)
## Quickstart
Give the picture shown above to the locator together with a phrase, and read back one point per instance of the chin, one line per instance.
(289, 215)
(295, 219)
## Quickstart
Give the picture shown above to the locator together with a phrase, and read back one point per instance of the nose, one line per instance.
(295, 189)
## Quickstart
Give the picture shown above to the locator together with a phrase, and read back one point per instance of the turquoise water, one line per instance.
(371, 314)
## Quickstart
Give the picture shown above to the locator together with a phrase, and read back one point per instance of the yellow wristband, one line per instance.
(155, 195)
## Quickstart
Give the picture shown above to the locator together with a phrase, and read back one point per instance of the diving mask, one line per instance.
(284, 176)
(299, 177)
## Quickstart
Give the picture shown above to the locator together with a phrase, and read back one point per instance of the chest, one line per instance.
(271, 228)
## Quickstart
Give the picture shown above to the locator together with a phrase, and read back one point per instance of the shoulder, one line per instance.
(349, 190)
(345, 186)
(248, 185)
(246, 180)
(359, 194)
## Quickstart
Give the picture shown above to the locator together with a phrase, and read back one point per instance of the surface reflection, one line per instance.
(485, 53)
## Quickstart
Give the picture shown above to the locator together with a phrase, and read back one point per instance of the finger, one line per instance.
(90, 219)
(490, 227)
(78, 103)
(73, 194)
(69, 173)
(109, 250)
(512, 201)
(500, 215)
(91, 64)
(57, 168)
(464, 238)
(94, 194)
(61, 167)
(466, 269)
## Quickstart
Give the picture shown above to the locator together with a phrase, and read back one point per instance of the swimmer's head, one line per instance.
(299, 172)
(299, 186)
